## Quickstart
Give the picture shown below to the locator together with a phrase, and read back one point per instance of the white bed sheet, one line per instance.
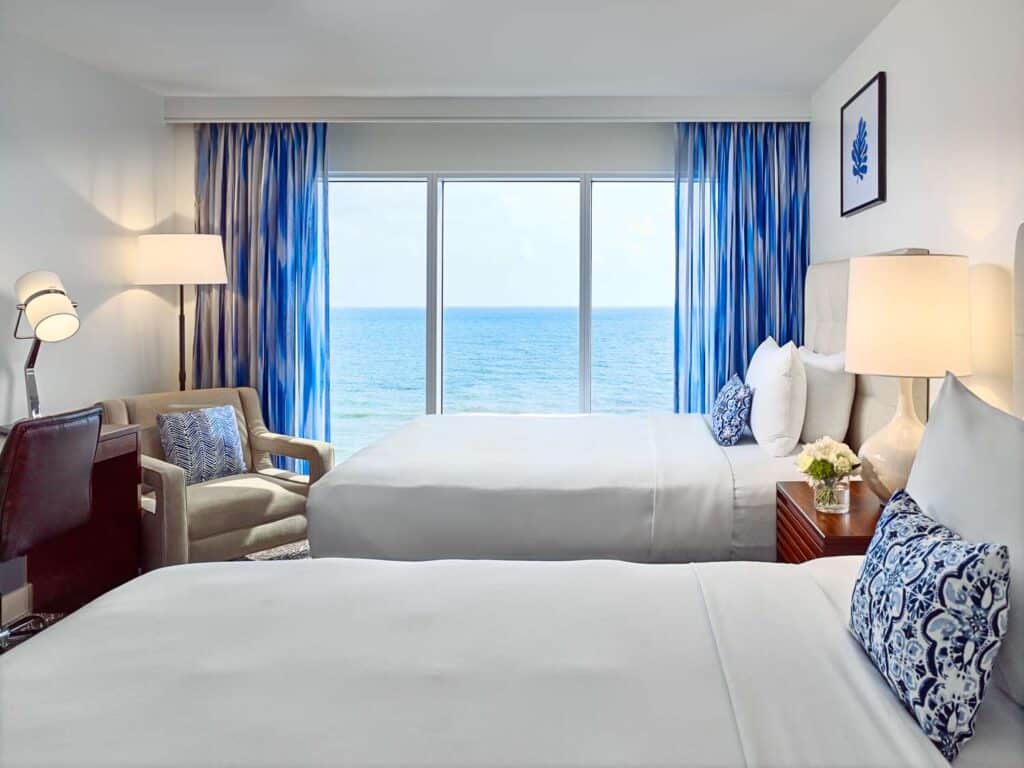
(754, 475)
(458, 663)
(999, 729)
(646, 488)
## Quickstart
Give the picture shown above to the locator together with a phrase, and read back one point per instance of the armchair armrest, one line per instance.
(165, 533)
(319, 454)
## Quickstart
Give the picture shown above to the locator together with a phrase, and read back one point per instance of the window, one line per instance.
(632, 326)
(378, 231)
(464, 294)
(511, 289)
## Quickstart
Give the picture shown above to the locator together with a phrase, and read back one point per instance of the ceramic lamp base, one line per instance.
(887, 456)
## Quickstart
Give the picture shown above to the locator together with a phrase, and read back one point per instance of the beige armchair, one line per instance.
(229, 517)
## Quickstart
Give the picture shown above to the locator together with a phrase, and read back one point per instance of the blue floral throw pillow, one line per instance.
(931, 610)
(731, 411)
(205, 443)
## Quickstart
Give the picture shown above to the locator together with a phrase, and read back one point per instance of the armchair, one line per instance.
(228, 517)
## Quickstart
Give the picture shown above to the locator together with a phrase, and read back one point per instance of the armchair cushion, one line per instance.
(205, 443)
(239, 502)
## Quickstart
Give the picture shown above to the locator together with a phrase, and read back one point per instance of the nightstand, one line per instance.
(804, 534)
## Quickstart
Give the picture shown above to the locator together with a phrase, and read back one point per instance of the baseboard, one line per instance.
(16, 604)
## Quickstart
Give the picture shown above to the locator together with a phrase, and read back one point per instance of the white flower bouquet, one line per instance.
(828, 465)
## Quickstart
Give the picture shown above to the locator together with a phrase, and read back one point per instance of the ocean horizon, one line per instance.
(496, 360)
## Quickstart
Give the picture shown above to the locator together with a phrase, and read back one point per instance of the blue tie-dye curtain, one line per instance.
(263, 188)
(741, 249)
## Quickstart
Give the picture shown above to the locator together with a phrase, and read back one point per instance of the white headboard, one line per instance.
(1018, 333)
(825, 331)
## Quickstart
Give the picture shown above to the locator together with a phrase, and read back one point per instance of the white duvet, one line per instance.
(645, 488)
(460, 663)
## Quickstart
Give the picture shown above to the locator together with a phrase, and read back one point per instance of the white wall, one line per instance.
(955, 81)
(501, 147)
(86, 164)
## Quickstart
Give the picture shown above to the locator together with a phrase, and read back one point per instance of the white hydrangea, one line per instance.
(843, 460)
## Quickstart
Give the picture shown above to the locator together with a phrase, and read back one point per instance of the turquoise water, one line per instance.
(512, 360)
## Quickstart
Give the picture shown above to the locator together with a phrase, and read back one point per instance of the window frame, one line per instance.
(434, 363)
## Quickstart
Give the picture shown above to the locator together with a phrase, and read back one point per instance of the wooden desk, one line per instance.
(802, 533)
(70, 570)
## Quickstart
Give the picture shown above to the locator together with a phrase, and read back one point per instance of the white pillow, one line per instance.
(968, 476)
(780, 396)
(829, 396)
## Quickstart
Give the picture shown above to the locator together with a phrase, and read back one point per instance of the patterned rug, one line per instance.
(298, 550)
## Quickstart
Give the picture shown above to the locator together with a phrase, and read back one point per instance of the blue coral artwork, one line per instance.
(862, 148)
(859, 152)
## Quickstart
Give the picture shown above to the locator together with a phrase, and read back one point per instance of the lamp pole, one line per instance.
(181, 337)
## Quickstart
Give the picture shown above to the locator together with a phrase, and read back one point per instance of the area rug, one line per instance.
(298, 550)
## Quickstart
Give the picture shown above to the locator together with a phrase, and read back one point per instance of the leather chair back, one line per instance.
(46, 478)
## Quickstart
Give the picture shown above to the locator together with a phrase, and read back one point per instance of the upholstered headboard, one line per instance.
(825, 331)
(1018, 333)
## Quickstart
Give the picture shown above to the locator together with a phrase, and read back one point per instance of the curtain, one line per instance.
(263, 188)
(741, 249)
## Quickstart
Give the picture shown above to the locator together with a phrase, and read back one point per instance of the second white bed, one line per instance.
(363, 663)
(643, 488)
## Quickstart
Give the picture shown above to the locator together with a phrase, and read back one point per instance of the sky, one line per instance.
(505, 243)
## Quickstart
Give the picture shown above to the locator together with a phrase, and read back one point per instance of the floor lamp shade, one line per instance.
(908, 316)
(181, 260)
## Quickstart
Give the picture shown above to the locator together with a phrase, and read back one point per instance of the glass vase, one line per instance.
(831, 496)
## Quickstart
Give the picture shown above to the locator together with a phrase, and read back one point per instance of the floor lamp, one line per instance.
(181, 260)
(908, 317)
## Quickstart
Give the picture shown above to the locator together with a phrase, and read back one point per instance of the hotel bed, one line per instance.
(644, 488)
(469, 663)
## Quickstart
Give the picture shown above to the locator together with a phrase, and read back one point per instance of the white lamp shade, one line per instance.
(180, 260)
(908, 315)
(48, 309)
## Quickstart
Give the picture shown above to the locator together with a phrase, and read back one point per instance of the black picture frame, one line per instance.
(879, 196)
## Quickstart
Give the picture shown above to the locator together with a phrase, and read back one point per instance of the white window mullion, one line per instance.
(435, 297)
(586, 293)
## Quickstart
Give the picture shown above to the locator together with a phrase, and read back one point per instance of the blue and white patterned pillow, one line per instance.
(205, 443)
(931, 610)
(731, 411)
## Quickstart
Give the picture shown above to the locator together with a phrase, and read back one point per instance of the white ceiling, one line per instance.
(457, 48)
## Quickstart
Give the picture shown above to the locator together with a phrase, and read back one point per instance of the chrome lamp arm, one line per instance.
(31, 390)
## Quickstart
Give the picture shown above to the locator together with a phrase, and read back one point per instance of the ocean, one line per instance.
(512, 360)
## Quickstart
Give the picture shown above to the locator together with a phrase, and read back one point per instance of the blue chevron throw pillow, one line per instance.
(205, 443)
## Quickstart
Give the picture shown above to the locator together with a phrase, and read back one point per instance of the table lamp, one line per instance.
(181, 260)
(908, 317)
(51, 316)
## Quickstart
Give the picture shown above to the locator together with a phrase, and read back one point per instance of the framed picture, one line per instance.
(862, 148)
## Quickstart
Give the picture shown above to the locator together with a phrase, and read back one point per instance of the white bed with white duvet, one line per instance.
(336, 662)
(643, 488)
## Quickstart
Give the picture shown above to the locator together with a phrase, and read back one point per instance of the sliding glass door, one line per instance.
(510, 252)
(499, 294)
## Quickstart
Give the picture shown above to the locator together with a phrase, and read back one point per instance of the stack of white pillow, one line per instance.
(799, 396)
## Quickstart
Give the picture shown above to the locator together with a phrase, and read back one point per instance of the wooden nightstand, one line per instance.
(803, 534)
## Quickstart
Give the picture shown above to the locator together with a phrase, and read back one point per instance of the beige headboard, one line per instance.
(825, 331)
